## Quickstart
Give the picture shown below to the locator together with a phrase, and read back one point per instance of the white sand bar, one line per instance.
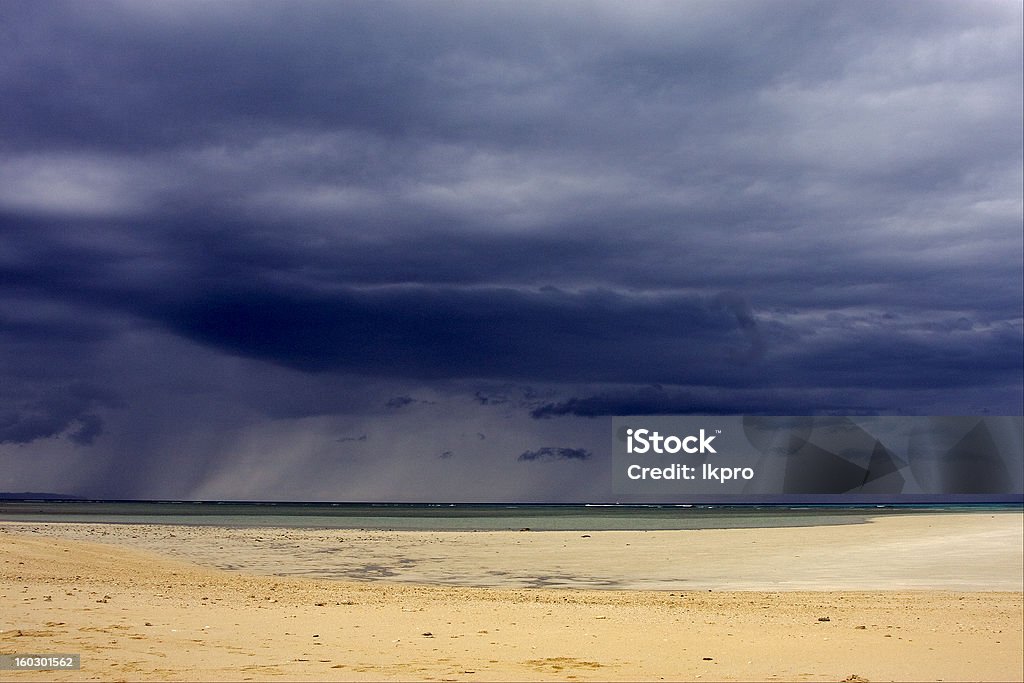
(947, 551)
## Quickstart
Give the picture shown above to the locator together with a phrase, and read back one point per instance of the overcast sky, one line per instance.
(422, 251)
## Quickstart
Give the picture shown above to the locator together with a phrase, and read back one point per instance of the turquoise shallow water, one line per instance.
(457, 517)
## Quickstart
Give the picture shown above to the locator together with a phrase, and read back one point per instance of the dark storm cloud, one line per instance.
(68, 411)
(715, 401)
(549, 453)
(649, 401)
(396, 402)
(490, 399)
(797, 207)
(438, 333)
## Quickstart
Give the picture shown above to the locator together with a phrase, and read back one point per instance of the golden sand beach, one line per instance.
(907, 597)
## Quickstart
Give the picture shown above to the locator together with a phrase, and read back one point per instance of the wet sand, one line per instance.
(946, 551)
(784, 604)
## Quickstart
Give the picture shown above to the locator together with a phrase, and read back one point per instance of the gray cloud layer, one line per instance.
(784, 207)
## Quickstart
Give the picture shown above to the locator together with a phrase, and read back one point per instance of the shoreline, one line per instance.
(947, 551)
(134, 614)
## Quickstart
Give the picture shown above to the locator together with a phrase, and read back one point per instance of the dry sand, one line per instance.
(136, 615)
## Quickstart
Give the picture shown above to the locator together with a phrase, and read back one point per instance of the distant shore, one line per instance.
(144, 602)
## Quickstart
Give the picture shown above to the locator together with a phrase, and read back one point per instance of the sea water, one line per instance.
(459, 517)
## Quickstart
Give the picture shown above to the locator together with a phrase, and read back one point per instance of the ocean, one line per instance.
(460, 516)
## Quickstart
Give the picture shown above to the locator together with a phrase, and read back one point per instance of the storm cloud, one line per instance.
(257, 228)
(549, 453)
(67, 411)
